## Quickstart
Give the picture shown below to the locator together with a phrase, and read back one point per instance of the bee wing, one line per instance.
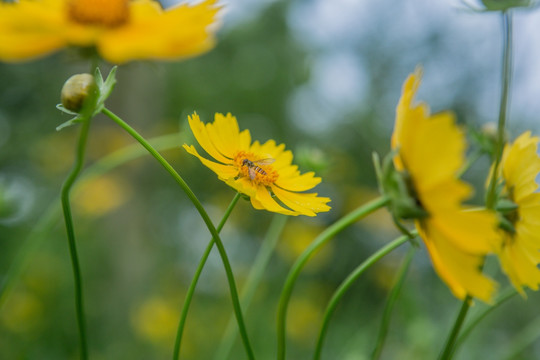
(266, 161)
(252, 173)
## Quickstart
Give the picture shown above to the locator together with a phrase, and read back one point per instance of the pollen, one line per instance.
(254, 168)
(108, 13)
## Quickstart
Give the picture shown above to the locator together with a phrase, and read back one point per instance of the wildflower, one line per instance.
(519, 250)
(261, 171)
(121, 30)
(430, 150)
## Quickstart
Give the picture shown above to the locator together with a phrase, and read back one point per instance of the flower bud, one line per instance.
(76, 90)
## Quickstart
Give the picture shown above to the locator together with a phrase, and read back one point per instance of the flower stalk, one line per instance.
(503, 109)
(491, 199)
(392, 298)
(256, 273)
(204, 216)
(68, 219)
(196, 276)
(319, 241)
(348, 282)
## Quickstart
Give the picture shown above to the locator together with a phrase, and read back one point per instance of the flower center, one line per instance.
(109, 13)
(258, 169)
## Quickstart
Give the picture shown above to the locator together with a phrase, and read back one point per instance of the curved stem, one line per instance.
(204, 216)
(503, 110)
(254, 277)
(193, 285)
(392, 298)
(348, 282)
(66, 189)
(322, 239)
(448, 350)
(507, 295)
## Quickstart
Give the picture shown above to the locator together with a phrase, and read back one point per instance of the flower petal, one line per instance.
(29, 29)
(265, 199)
(201, 134)
(152, 33)
(305, 204)
(473, 231)
(298, 183)
(224, 172)
(459, 270)
(224, 134)
(521, 270)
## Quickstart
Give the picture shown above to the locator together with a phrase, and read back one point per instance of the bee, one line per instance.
(254, 168)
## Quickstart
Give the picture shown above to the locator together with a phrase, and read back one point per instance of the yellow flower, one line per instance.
(121, 30)
(262, 171)
(430, 148)
(519, 251)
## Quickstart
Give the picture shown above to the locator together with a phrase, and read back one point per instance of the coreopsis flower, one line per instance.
(519, 251)
(120, 30)
(430, 150)
(264, 172)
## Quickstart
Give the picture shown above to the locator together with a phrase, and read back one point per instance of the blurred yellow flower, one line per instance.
(431, 149)
(101, 195)
(296, 237)
(156, 320)
(262, 171)
(121, 30)
(519, 251)
(22, 312)
(305, 315)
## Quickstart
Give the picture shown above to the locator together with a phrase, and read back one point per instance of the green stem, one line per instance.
(448, 350)
(392, 298)
(322, 239)
(507, 295)
(348, 282)
(503, 110)
(193, 285)
(253, 280)
(66, 189)
(204, 216)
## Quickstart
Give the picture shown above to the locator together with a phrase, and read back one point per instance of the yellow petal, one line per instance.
(224, 134)
(430, 148)
(200, 132)
(152, 33)
(447, 195)
(29, 29)
(521, 165)
(298, 183)
(520, 269)
(459, 270)
(224, 172)
(306, 204)
(243, 185)
(473, 231)
(265, 199)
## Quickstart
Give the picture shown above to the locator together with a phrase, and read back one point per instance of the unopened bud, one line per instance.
(76, 90)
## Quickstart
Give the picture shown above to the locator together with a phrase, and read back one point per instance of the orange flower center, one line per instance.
(109, 13)
(255, 168)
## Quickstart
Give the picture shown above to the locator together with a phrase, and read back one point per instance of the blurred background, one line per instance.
(324, 78)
